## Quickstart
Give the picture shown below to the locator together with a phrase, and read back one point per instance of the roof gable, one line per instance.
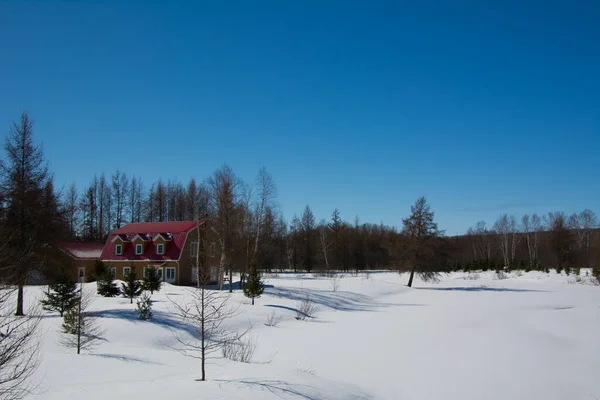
(174, 233)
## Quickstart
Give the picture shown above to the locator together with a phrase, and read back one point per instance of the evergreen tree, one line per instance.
(98, 271)
(421, 231)
(132, 287)
(254, 286)
(29, 228)
(107, 286)
(144, 307)
(62, 295)
(152, 281)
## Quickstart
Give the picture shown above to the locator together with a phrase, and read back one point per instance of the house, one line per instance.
(175, 249)
(80, 257)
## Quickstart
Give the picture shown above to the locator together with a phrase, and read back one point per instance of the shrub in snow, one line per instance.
(240, 350)
(107, 286)
(80, 329)
(305, 309)
(152, 281)
(472, 277)
(519, 273)
(501, 275)
(131, 287)
(334, 283)
(144, 307)
(273, 319)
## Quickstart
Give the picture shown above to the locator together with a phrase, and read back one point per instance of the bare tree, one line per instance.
(208, 313)
(19, 340)
(508, 237)
(19, 348)
(326, 241)
(589, 223)
(266, 192)
(307, 228)
(224, 201)
(72, 210)
(120, 191)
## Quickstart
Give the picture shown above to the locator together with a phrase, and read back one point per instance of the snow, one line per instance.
(88, 253)
(534, 336)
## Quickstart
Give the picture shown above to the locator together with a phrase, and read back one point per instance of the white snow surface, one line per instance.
(534, 336)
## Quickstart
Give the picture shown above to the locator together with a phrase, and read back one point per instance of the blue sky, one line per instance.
(482, 107)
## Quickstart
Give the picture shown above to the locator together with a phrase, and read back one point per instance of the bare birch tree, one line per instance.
(266, 192)
(72, 210)
(326, 241)
(508, 237)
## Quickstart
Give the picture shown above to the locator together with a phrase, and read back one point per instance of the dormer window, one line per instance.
(160, 248)
(119, 249)
(139, 249)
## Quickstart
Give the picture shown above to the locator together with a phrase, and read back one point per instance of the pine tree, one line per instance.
(144, 307)
(152, 281)
(62, 295)
(132, 287)
(107, 287)
(421, 230)
(254, 286)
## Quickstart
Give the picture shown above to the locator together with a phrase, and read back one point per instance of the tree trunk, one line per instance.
(20, 301)
(253, 301)
(412, 275)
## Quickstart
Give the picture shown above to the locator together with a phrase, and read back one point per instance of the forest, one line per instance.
(251, 226)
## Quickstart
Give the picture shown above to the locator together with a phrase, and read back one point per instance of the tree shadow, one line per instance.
(125, 358)
(282, 388)
(480, 289)
(339, 300)
(158, 317)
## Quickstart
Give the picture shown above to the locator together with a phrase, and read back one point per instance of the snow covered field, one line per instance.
(530, 337)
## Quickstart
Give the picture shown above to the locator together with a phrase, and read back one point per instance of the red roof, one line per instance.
(82, 250)
(178, 231)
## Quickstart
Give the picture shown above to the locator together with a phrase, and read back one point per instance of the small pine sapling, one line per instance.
(62, 295)
(131, 287)
(144, 307)
(107, 287)
(80, 329)
(152, 282)
(254, 286)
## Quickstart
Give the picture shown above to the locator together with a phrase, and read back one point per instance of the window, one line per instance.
(126, 271)
(193, 249)
(194, 274)
(160, 248)
(81, 274)
(170, 274)
(211, 250)
(139, 249)
(113, 272)
(119, 249)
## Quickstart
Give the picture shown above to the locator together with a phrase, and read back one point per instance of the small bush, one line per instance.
(472, 276)
(558, 269)
(273, 319)
(334, 283)
(500, 275)
(306, 308)
(240, 350)
(144, 307)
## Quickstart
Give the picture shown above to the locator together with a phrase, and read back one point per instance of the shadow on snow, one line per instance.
(340, 300)
(281, 388)
(479, 289)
